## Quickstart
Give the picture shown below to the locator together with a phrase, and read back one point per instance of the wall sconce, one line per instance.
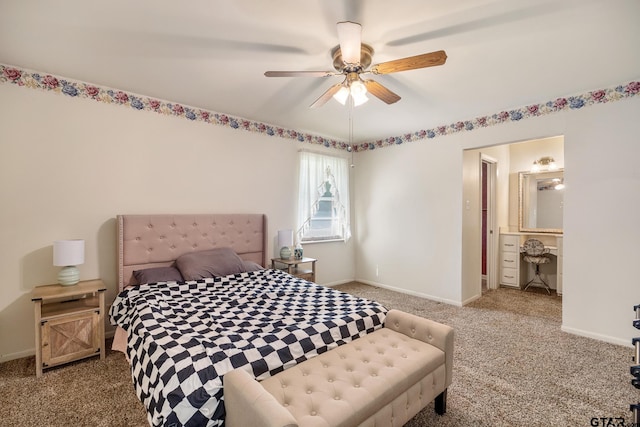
(68, 254)
(544, 164)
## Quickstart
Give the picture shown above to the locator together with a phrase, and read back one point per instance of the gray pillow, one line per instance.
(157, 274)
(210, 263)
(251, 266)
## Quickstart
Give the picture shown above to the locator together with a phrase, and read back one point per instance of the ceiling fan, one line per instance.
(352, 58)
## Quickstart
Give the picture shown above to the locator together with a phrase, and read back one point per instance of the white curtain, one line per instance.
(312, 174)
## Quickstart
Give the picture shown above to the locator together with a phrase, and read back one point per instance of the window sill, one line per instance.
(333, 239)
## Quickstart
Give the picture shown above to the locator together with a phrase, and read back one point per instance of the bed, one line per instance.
(184, 334)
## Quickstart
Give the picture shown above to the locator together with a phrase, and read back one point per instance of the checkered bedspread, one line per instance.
(183, 337)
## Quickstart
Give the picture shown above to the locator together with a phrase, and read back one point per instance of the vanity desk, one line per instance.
(515, 272)
(540, 216)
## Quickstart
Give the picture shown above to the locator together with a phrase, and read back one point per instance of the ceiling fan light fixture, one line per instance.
(349, 34)
(357, 88)
(359, 98)
(352, 58)
(342, 95)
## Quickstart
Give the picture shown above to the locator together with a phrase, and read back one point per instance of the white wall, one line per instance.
(408, 210)
(410, 199)
(602, 228)
(68, 166)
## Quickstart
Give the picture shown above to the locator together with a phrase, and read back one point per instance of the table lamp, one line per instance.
(285, 241)
(68, 254)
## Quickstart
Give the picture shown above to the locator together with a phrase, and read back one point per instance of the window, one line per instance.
(323, 198)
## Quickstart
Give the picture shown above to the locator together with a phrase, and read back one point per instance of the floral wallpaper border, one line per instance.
(36, 80)
(599, 96)
(77, 89)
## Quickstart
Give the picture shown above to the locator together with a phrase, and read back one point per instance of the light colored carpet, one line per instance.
(512, 367)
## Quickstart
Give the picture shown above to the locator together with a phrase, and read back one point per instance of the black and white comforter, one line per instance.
(183, 337)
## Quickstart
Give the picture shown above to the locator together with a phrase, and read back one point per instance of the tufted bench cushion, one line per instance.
(383, 378)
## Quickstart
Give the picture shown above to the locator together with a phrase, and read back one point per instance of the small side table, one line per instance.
(69, 322)
(291, 267)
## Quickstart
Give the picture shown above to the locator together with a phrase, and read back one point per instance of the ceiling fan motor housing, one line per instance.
(366, 53)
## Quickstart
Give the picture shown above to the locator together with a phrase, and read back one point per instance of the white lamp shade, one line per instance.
(285, 238)
(350, 37)
(68, 252)
(359, 98)
(342, 95)
(358, 88)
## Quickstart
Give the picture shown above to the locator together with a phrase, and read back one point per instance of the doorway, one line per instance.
(503, 164)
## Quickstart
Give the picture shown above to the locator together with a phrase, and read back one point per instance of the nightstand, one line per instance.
(291, 267)
(69, 322)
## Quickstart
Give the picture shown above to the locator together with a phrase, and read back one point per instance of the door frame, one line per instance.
(492, 232)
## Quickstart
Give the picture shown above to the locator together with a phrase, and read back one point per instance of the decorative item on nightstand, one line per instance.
(297, 252)
(285, 241)
(68, 254)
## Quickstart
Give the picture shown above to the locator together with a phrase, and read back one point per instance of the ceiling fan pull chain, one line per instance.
(351, 130)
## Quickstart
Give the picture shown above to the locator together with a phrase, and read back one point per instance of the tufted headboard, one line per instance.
(146, 241)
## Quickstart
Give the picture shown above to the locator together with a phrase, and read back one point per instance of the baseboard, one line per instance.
(598, 337)
(574, 331)
(17, 355)
(472, 299)
(412, 293)
(32, 351)
(339, 282)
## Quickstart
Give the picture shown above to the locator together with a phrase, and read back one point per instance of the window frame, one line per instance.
(312, 174)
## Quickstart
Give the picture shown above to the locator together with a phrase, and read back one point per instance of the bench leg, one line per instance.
(441, 403)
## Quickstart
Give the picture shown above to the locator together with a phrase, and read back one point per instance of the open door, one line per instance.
(488, 178)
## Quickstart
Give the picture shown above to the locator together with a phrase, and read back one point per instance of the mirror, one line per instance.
(541, 201)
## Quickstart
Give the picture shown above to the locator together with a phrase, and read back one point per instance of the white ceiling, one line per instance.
(212, 54)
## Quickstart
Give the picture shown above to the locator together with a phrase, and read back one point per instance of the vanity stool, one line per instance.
(535, 253)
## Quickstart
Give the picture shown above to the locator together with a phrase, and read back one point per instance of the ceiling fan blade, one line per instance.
(300, 73)
(381, 92)
(349, 35)
(326, 96)
(411, 63)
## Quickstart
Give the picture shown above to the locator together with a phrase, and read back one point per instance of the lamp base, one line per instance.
(69, 275)
(285, 252)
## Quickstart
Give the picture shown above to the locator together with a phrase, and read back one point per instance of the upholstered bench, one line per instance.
(381, 379)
